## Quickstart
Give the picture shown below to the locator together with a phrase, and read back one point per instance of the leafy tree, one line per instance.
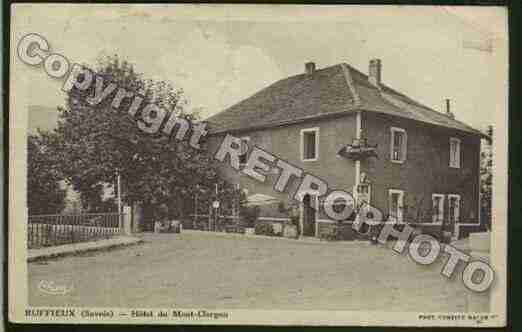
(93, 200)
(98, 141)
(486, 177)
(44, 195)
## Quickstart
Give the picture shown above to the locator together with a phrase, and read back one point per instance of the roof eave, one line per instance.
(333, 115)
(285, 123)
(470, 131)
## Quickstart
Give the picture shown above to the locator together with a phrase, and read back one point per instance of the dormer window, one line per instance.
(310, 144)
(398, 145)
(454, 160)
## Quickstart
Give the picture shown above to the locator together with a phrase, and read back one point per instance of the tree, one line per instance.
(93, 200)
(486, 180)
(44, 195)
(98, 141)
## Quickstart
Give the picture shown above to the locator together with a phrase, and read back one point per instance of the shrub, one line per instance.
(250, 215)
(264, 229)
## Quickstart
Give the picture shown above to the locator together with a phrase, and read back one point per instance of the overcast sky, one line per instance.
(221, 54)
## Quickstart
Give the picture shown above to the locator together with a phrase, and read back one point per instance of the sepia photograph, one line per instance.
(258, 164)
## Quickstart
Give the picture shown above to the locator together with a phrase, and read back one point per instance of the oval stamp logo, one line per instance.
(51, 288)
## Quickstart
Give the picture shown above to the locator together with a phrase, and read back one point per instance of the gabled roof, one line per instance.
(331, 91)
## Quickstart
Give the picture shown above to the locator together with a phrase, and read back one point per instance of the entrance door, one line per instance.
(309, 215)
(453, 214)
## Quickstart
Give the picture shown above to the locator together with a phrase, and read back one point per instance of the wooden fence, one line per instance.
(56, 229)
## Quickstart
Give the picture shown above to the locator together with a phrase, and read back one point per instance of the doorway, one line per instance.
(309, 215)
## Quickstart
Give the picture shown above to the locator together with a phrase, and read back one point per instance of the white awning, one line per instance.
(261, 199)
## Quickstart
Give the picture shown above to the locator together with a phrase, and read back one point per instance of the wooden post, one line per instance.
(120, 221)
(195, 211)
(137, 217)
(127, 221)
(209, 217)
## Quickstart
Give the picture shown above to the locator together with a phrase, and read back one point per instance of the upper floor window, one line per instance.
(395, 204)
(438, 208)
(398, 145)
(454, 160)
(244, 151)
(310, 144)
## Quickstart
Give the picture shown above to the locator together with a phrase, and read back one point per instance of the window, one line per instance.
(310, 144)
(454, 208)
(396, 199)
(244, 151)
(438, 208)
(454, 152)
(398, 145)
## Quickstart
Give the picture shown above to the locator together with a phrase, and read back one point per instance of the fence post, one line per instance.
(209, 218)
(195, 211)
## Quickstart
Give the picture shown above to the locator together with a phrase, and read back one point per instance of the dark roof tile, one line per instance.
(332, 90)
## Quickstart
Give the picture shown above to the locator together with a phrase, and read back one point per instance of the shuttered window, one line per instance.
(398, 145)
(310, 144)
(454, 153)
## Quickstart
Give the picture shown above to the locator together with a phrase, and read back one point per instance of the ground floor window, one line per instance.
(438, 208)
(453, 208)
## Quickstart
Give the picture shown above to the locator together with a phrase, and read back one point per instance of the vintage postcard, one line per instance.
(258, 164)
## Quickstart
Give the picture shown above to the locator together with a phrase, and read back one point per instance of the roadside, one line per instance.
(76, 248)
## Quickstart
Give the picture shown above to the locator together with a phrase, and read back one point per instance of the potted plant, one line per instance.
(291, 227)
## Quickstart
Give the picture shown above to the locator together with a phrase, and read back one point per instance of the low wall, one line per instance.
(466, 229)
(325, 228)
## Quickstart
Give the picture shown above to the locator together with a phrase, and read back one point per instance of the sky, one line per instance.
(221, 54)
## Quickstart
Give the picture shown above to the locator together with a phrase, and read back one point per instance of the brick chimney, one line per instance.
(310, 68)
(374, 72)
(448, 109)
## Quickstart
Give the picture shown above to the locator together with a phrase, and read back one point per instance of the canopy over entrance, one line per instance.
(261, 199)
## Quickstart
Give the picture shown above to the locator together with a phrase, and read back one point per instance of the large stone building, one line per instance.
(415, 164)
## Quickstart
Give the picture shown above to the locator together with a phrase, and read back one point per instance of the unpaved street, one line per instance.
(205, 270)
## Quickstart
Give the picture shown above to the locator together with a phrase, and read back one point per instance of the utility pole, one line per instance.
(119, 199)
(237, 204)
(195, 209)
(216, 210)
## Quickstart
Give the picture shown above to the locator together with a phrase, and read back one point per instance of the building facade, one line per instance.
(416, 165)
